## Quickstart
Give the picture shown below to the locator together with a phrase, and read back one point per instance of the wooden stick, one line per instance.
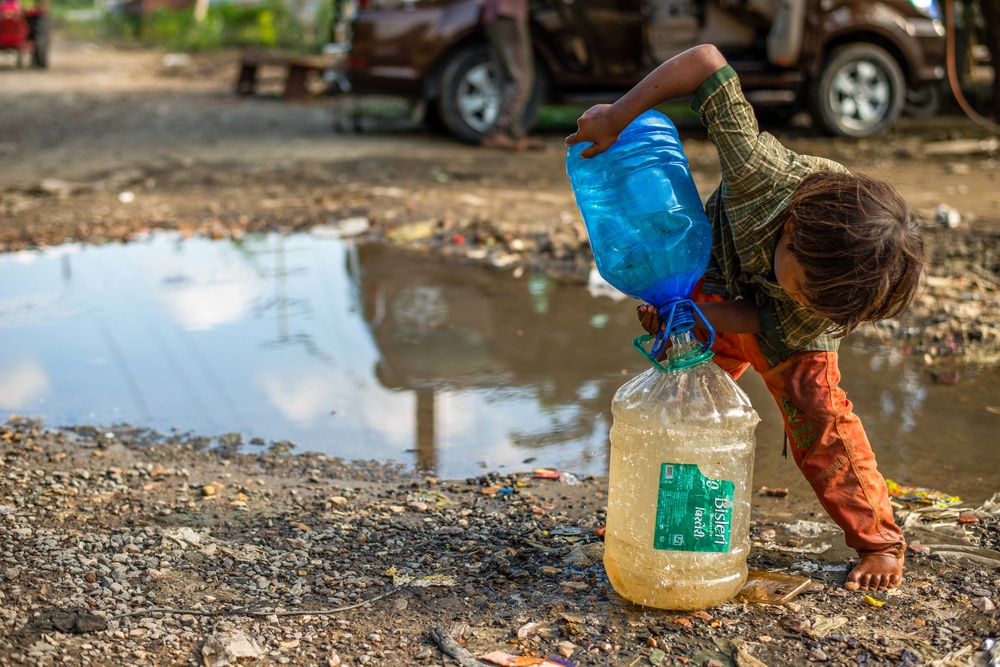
(451, 647)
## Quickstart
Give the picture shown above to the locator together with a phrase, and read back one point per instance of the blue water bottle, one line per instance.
(648, 229)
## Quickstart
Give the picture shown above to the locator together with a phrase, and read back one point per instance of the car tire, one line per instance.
(860, 92)
(469, 99)
(925, 101)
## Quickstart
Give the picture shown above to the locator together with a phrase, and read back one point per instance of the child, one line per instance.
(803, 252)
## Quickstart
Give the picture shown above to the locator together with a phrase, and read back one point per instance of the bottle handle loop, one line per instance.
(676, 321)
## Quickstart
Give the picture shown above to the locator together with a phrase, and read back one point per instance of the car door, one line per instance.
(591, 42)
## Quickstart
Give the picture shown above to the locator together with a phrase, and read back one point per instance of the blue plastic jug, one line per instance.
(648, 229)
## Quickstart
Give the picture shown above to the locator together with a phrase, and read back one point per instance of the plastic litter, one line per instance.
(772, 587)
(511, 660)
(917, 495)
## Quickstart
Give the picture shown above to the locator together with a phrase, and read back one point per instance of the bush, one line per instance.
(269, 24)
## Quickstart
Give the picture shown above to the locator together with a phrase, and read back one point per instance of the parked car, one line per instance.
(852, 64)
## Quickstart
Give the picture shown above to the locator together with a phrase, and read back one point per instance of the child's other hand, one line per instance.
(648, 319)
(876, 572)
(597, 126)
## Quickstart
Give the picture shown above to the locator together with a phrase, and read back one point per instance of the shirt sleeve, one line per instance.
(788, 327)
(758, 172)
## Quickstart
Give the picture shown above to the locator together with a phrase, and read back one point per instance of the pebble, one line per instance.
(983, 604)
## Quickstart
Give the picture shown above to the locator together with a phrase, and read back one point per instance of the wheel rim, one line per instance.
(478, 99)
(860, 95)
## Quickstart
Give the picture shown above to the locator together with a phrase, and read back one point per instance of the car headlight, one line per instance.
(928, 8)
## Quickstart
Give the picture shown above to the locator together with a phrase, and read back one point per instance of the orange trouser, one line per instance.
(827, 439)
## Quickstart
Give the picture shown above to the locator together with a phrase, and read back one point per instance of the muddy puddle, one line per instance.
(375, 353)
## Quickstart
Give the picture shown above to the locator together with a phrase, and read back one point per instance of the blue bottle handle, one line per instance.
(677, 317)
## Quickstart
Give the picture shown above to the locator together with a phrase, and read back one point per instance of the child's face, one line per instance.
(787, 270)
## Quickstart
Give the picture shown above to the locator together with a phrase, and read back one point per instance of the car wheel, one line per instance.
(924, 102)
(860, 92)
(469, 99)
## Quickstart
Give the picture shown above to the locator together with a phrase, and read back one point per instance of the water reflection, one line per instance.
(523, 354)
(374, 353)
(357, 353)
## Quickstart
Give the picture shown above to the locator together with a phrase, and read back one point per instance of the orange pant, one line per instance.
(827, 439)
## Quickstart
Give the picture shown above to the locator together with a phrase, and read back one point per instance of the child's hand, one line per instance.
(648, 319)
(597, 126)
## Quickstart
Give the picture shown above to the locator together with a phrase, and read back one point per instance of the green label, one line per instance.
(693, 512)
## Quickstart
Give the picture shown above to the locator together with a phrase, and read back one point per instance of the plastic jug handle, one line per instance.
(701, 353)
(693, 357)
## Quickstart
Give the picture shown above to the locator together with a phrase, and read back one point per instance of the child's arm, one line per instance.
(680, 76)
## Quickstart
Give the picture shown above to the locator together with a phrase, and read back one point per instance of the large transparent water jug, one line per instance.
(648, 229)
(682, 449)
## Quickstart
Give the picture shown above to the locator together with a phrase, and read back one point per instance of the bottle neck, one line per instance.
(685, 351)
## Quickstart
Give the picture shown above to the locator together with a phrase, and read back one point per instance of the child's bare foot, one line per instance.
(876, 572)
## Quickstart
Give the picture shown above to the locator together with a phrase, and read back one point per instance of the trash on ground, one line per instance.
(552, 473)
(811, 549)
(598, 286)
(803, 528)
(511, 660)
(946, 215)
(920, 495)
(961, 146)
(343, 228)
(772, 587)
(425, 581)
(822, 626)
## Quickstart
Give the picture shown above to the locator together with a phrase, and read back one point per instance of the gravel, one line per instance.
(122, 546)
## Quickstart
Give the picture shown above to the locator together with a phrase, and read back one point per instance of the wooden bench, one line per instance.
(297, 71)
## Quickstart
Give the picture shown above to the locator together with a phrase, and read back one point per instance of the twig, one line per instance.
(453, 648)
(247, 612)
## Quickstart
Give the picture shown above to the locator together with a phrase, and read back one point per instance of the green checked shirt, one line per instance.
(759, 176)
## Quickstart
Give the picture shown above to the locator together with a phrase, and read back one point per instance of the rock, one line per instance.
(578, 558)
(223, 648)
(817, 655)
(797, 623)
(983, 604)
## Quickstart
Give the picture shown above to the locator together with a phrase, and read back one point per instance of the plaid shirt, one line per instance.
(759, 176)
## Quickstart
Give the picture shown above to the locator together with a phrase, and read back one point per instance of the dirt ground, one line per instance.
(108, 143)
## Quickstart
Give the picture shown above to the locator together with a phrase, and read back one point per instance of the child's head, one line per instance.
(859, 247)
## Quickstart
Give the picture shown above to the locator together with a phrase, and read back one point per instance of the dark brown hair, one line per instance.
(859, 246)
